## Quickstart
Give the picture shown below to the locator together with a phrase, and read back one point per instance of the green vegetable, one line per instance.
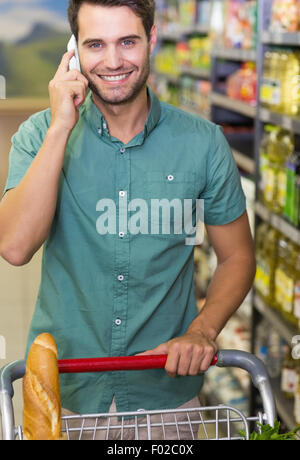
(269, 433)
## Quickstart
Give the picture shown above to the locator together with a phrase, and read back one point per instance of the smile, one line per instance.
(115, 77)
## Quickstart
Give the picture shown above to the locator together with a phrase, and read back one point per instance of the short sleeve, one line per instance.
(224, 199)
(26, 143)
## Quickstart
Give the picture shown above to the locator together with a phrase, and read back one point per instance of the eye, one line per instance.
(128, 43)
(95, 45)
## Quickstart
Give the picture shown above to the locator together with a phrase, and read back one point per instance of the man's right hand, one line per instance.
(67, 92)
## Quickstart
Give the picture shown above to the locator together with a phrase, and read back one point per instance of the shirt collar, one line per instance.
(98, 123)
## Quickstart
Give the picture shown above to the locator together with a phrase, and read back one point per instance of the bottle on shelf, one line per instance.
(296, 300)
(291, 207)
(279, 89)
(270, 161)
(290, 71)
(279, 146)
(289, 375)
(262, 277)
(270, 88)
(284, 279)
(275, 354)
(263, 159)
(287, 145)
(275, 86)
(269, 263)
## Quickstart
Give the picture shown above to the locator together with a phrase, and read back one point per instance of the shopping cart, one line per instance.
(212, 422)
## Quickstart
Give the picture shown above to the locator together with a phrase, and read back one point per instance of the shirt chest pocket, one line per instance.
(170, 185)
(166, 194)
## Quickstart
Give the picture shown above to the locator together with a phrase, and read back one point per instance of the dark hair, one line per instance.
(145, 9)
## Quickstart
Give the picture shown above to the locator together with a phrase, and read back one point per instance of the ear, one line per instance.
(153, 38)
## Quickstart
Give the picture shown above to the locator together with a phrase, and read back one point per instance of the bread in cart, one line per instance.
(41, 391)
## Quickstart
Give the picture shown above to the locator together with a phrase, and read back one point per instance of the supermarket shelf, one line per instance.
(244, 162)
(198, 73)
(286, 330)
(290, 123)
(194, 112)
(234, 54)
(179, 32)
(174, 79)
(284, 406)
(278, 222)
(281, 38)
(233, 104)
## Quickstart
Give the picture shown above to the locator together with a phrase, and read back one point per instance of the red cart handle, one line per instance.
(123, 363)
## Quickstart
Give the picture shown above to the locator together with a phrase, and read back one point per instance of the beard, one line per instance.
(112, 97)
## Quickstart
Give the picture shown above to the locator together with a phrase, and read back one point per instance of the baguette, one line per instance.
(41, 393)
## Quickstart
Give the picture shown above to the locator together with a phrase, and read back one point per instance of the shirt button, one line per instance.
(120, 277)
(118, 322)
(100, 131)
(122, 193)
(104, 125)
(121, 234)
(122, 150)
(170, 177)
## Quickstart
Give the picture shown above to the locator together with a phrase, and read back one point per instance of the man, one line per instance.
(118, 292)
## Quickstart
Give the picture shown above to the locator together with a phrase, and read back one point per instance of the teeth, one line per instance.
(115, 78)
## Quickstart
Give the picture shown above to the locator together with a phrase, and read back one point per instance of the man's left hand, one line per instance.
(189, 354)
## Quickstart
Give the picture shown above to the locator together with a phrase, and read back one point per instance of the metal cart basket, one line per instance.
(213, 422)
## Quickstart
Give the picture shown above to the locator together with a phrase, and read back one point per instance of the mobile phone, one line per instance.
(74, 63)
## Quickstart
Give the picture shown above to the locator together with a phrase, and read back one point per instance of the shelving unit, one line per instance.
(233, 105)
(223, 110)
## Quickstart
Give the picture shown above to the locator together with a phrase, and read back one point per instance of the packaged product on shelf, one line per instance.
(280, 88)
(296, 305)
(240, 24)
(242, 83)
(217, 23)
(187, 92)
(200, 48)
(275, 353)
(234, 27)
(291, 207)
(266, 262)
(297, 201)
(285, 16)
(262, 278)
(165, 60)
(284, 279)
(280, 146)
(287, 147)
(270, 88)
(263, 159)
(290, 82)
(187, 12)
(289, 375)
(202, 90)
(248, 16)
(203, 13)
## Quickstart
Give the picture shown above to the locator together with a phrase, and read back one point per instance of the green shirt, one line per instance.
(118, 294)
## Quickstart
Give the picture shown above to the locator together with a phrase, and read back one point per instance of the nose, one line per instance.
(113, 58)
